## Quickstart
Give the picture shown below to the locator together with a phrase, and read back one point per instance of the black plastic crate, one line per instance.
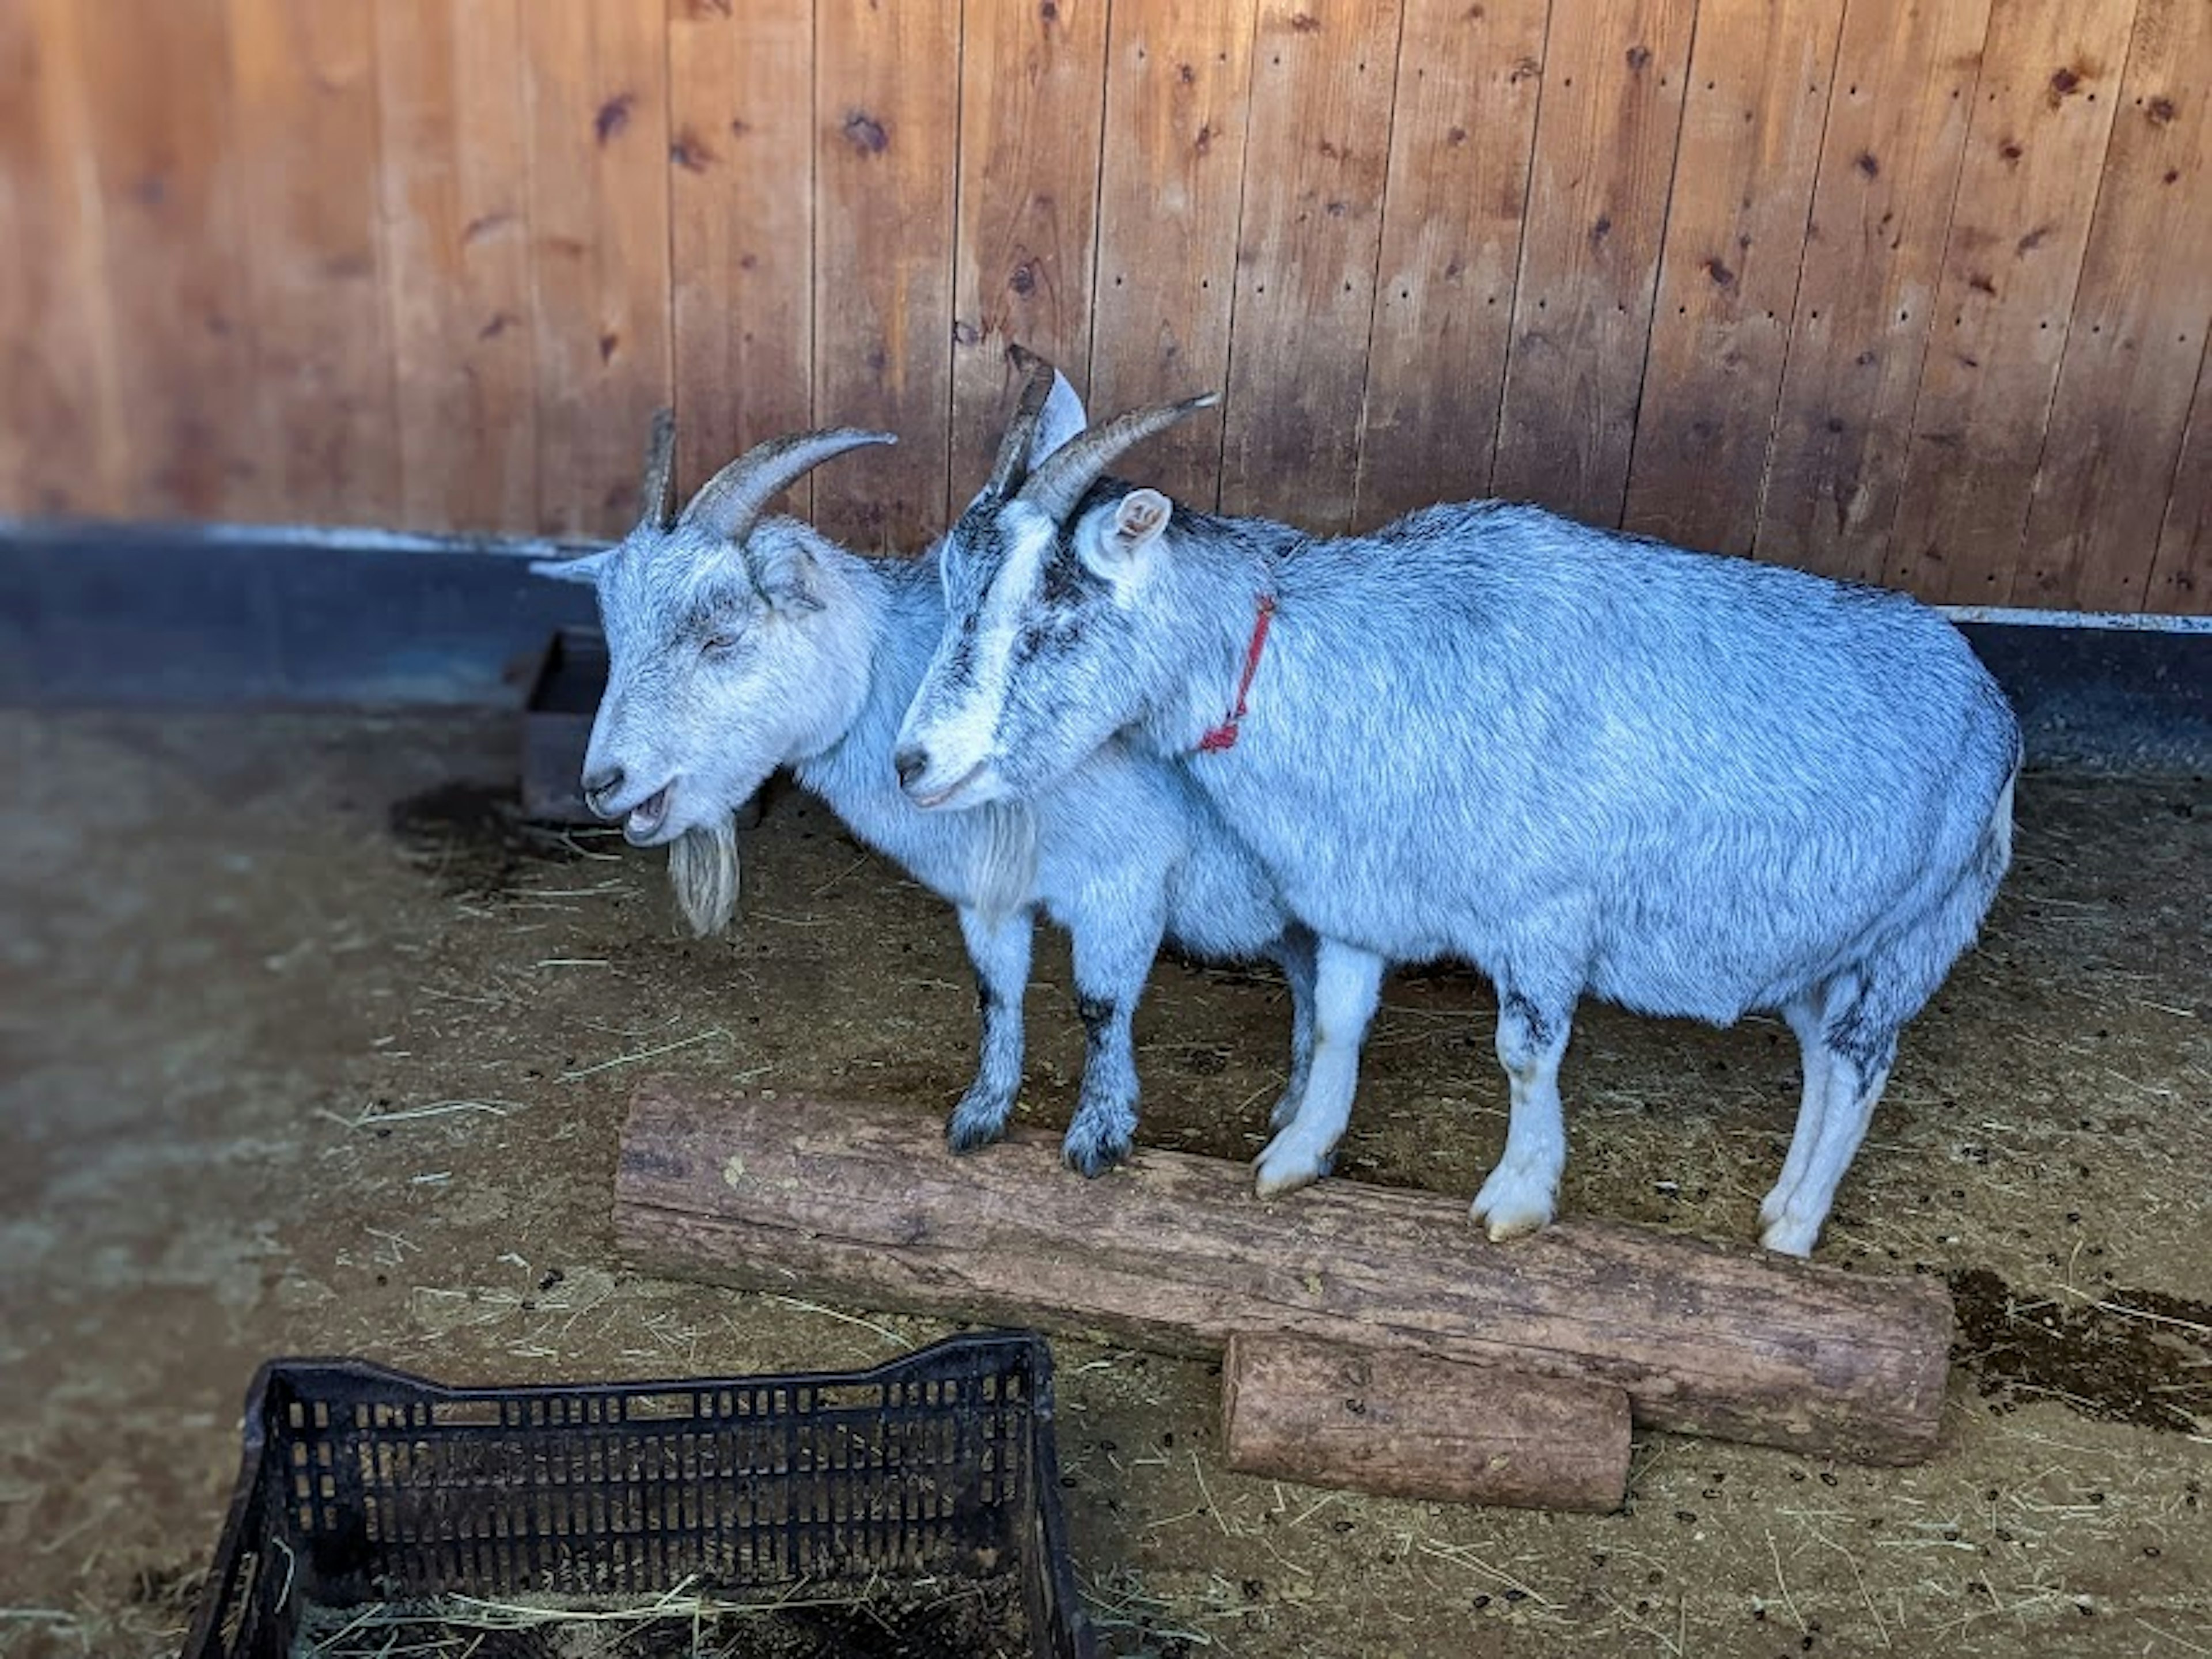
(364, 1485)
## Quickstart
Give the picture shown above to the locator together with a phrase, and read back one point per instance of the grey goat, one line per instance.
(1582, 762)
(742, 643)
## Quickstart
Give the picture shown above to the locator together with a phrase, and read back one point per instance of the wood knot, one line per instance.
(1867, 165)
(1638, 57)
(613, 116)
(1305, 23)
(689, 152)
(866, 134)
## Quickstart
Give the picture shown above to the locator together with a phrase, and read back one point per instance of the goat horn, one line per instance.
(1021, 430)
(1055, 488)
(658, 511)
(729, 503)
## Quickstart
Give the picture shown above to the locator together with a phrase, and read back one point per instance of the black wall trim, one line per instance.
(213, 616)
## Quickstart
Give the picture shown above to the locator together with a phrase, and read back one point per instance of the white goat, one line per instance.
(740, 644)
(1582, 762)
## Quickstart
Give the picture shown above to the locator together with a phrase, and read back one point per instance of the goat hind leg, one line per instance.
(1859, 1059)
(1806, 1019)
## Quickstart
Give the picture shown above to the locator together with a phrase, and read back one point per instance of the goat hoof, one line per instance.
(1283, 1167)
(1092, 1158)
(1774, 1207)
(967, 1133)
(1512, 1202)
(1787, 1235)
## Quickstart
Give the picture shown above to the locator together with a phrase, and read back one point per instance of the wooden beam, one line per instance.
(861, 1203)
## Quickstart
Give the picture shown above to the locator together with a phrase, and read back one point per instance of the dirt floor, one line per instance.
(306, 1046)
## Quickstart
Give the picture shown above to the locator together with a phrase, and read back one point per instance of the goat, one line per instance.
(741, 643)
(1582, 762)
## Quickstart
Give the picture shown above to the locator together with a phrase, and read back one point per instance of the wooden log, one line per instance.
(1403, 1424)
(862, 1203)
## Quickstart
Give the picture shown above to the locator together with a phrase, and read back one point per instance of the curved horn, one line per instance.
(658, 511)
(1055, 488)
(729, 503)
(1021, 430)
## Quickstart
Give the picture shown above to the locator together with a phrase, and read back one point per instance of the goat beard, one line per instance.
(702, 867)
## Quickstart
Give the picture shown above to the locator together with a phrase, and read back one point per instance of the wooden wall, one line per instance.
(1912, 290)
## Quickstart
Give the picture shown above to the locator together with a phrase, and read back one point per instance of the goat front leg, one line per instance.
(1294, 954)
(1113, 956)
(1347, 985)
(1001, 953)
(1522, 1191)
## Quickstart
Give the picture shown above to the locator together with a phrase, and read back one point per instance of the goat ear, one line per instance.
(784, 572)
(586, 569)
(1062, 417)
(1120, 539)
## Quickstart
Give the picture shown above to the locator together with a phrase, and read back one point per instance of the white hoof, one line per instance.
(1513, 1201)
(1788, 1234)
(1774, 1206)
(1290, 1161)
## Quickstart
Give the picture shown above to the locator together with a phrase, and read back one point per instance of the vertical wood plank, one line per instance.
(1611, 110)
(60, 438)
(1751, 125)
(456, 182)
(2137, 331)
(886, 101)
(175, 267)
(1318, 157)
(1460, 137)
(1030, 110)
(2181, 574)
(741, 98)
(1178, 91)
(596, 79)
(2048, 84)
(1904, 95)
(303, 79)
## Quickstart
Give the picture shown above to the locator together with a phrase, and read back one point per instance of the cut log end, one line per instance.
(1401, 1425)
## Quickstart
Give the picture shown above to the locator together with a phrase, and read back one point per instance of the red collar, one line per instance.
(1224, 735)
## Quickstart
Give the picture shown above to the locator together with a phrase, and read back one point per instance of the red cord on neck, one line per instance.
(1224, 735)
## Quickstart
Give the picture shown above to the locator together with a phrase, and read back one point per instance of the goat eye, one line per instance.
(721, 643)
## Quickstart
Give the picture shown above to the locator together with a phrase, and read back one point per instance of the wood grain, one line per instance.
(1462, 125)
(2181, 570)
(1405, 1425)
(2136, 333)
(861, 1203)
(2048, 84)
(1752, 124)
(304, 91)
(175, 265)
(456, 183)
(1317, 157)
(60, 425)
(1904, 81)
(886, 103)
(1604, 164)
(1178, 91)
(1029, 196)
(741, 118)
(596, 77)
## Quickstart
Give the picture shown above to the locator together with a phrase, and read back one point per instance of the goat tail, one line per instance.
(1006, 860)
(702, 867)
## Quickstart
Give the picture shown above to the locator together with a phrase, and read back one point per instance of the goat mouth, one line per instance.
(939, 797)
(648, 817)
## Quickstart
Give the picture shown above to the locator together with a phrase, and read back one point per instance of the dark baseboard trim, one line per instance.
(226, 615)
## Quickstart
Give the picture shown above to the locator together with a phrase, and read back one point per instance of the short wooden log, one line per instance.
(1402, 1424)
(861, 1203)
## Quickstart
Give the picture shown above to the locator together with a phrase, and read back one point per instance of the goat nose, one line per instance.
(910, 763)
(607, 780)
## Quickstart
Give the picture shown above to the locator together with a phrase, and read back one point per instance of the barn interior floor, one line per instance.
(305, 1048)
